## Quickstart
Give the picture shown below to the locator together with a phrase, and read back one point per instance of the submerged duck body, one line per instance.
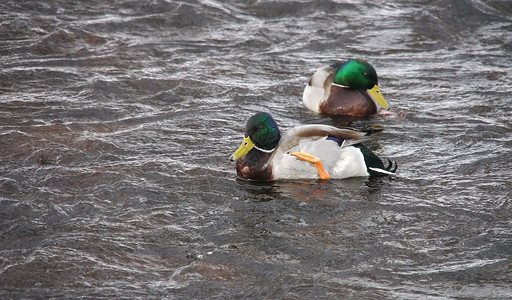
(304, 152)
(349, 89)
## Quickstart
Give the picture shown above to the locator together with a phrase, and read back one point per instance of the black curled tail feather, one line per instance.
(390, 168)
(374, 164)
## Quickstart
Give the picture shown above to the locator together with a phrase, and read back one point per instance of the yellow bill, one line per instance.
(377, 97)
(246, 146)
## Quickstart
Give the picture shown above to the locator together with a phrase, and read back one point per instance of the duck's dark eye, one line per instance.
(366, 75)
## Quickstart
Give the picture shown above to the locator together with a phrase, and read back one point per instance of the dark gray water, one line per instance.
(117, 119)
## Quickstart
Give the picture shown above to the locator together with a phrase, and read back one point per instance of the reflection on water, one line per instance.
(309, 190)
(117, 121)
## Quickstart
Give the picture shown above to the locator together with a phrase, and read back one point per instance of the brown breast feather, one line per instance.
(348, 102)
(254, 166)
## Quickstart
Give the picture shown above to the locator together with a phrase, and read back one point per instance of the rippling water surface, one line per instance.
(117, 119)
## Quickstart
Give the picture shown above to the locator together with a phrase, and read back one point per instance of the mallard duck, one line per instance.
(348, 89)
(304, 152)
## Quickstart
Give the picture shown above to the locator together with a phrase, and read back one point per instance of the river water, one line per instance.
(117, 120)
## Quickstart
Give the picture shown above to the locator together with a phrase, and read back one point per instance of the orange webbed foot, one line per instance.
(315, 161)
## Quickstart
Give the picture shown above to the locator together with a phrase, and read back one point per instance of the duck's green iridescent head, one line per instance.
(359, 74)
(261, 132)
(356, 74)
